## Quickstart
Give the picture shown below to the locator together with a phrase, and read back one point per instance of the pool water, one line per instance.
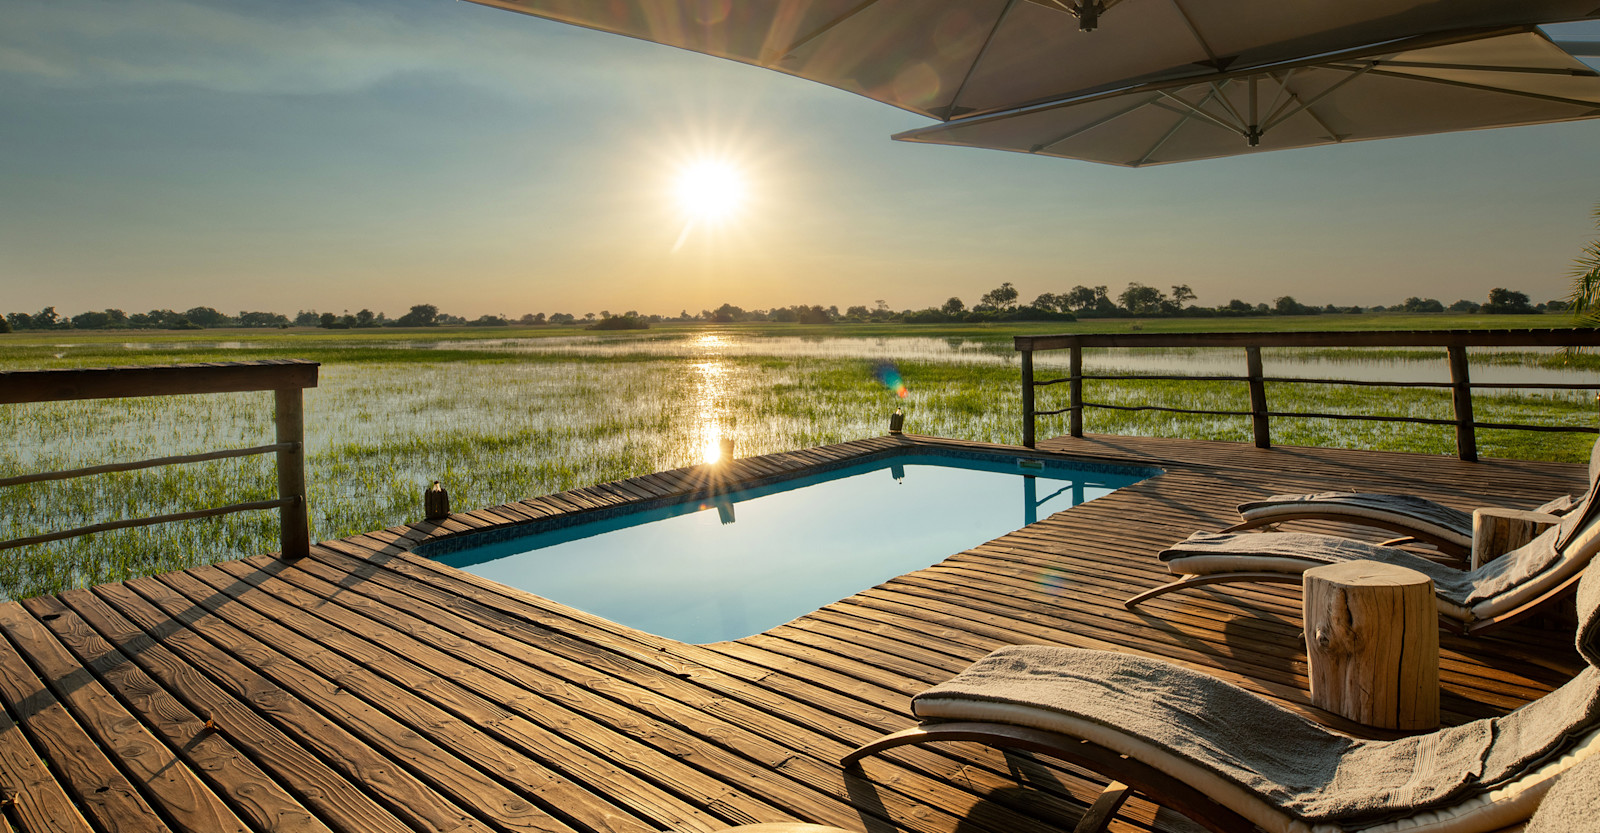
(745, 561)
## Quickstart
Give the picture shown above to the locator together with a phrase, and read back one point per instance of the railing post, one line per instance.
(1461, 387)
(1027, 398)
(1076, 414)
(295, 524)
(1259, 421)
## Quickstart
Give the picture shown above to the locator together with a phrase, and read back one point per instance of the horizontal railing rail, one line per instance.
(286, 378)
(1454, 342)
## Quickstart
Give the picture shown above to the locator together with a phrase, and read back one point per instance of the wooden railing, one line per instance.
(1454, 342)
(285, 378)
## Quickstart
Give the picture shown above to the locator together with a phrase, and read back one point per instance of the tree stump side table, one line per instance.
(1372, 644)
(1496, 531)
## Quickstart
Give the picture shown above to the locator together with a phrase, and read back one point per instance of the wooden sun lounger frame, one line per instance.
(1474, 627)
(1126, 774)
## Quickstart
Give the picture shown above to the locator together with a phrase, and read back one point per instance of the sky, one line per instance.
(336, 155)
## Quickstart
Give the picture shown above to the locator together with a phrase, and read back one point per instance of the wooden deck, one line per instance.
(366, 689)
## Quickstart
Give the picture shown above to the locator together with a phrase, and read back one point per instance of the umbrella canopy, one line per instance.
(960, 58)
(1405, 88)
(1410, 87)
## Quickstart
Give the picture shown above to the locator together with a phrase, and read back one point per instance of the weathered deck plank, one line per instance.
(366, 688)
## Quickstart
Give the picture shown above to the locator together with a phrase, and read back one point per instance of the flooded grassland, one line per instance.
(503, 415)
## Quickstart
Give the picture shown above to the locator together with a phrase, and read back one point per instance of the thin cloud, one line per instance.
(303, 49)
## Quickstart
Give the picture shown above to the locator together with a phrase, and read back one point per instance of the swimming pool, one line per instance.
(741, 562)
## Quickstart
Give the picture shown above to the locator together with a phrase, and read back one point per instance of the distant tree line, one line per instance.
(998, 304)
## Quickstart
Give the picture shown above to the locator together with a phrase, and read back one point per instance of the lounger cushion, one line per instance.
(1290, 764)
(1441, 521)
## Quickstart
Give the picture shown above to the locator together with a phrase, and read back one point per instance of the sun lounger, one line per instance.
(1501, 591)
(1233, 761)
(1420, 519)
(1446, 528)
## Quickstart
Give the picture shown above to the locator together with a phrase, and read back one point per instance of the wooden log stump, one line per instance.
(1496, 531)
(1372, 644)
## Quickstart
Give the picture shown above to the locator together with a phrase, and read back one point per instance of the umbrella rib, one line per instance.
(1198, 38)
(1195, 110)
(1581, 73)
(821, 30)
(1215, 90)
(1238, 118)
(972, 69)
(1311, 102)
(1079, 131)
(1311, 114)
(1285, 97)
(1556, 99)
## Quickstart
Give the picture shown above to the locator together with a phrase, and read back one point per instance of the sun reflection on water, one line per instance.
(711, 414)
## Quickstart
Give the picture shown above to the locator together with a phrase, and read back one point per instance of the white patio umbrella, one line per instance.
(960, 58)
(1409, 87)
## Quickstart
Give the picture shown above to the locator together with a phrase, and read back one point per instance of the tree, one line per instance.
(109, 319)
(307, 318)
(1506, 302)
(725, 314)
(46, 319)
(262, 319)
(366, 318)
(1415, 304)
(19, 321)
(1081, 298)
(421, 315)
(1050, 301)
(953, 306)
(1287, 305)
(1463, 305)
(1001, 297)
(1141, 300)
(206, 317)
(816, 315)
(5, 326)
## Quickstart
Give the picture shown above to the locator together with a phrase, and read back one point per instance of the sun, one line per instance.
(710, 191)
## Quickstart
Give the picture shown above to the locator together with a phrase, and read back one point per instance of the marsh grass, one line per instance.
(497, 418)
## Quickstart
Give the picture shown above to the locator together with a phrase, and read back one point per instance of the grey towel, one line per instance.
(1291, 763)
(1573, 804)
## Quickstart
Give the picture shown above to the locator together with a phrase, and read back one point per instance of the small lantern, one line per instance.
(897, 420)
(436, 502)
(727, 450)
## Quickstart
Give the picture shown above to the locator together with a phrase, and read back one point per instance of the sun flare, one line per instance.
(710, 191)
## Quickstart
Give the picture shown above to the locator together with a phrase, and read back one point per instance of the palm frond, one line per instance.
(1585, 298)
